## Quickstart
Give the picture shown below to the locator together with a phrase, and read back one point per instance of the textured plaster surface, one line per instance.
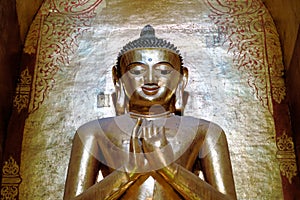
(219, 92)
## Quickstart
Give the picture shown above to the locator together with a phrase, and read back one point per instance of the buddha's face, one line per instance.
(150, 76)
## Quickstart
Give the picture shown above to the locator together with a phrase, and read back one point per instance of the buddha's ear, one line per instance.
(118, 96)
(181, 95)
(185, 76)
(115, 76)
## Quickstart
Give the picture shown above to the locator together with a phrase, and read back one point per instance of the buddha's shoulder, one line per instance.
(198, 121)
(124, 122)
(202, 124)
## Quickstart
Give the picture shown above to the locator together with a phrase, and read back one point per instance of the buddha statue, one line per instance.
(149, 150)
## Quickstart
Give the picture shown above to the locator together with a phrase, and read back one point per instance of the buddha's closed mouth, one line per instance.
(150, 89)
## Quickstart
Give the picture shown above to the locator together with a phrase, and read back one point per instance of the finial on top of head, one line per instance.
(148, 32)
(148, 40)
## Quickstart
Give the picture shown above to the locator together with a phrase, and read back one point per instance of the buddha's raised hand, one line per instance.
(156, 147)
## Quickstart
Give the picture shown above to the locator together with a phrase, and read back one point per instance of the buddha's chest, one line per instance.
(183, 142)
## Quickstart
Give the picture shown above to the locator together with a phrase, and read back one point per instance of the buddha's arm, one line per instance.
(216, 168)
(216, 164)
(215, 160)
(189, 185)
(110, 188)
(83, 171)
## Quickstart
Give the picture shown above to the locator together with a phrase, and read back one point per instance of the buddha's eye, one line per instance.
(136, 69)
(165, 72)
(135, 72)
(164, 69)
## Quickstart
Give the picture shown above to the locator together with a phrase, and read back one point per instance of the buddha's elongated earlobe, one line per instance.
(119, 97)
(179, 100)
(120, 105)
(181, 96)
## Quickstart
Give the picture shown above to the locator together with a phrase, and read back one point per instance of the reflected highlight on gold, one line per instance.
(164, 152)
(233, 56)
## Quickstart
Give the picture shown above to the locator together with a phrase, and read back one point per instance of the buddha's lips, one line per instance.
(150, 89)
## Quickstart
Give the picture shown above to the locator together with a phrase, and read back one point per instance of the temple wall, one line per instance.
(10, 51)
(40, 122)
(26, 11)
(287, 19)
(15, 20)
(293, 85)
(282, 12)
(233, 82)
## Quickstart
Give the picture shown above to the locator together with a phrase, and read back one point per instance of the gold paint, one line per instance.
(32, 37)
(9, 192)
(10, 168)
(286, 157)
(254, 42)
(51, 54)
(10, 180)
(150, 79)
(218, 91)
(74, 7)
(275, 66)
(21, 99)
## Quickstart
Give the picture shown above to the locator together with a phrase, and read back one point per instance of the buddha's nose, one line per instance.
(150, 78)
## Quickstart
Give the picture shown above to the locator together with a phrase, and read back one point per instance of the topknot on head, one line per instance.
(148, 40)
(147, 32)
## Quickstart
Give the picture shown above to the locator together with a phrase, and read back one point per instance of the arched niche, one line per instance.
(230, 47)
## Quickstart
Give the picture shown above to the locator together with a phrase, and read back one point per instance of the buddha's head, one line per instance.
(149, 72)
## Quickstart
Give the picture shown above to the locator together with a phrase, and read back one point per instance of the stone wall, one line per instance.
(287, 19)
(16, 17)
(13, 30)
(293, 85)
(73, 61)
(10, 48)
(26, 11)
(15, 20)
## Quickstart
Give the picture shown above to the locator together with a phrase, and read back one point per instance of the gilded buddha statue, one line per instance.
(149, 151)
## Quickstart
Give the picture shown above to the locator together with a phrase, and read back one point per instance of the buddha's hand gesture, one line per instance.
(156, 147)
(136, 159)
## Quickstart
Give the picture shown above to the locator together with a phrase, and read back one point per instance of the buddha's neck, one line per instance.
(149, 110)
(151, 116)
